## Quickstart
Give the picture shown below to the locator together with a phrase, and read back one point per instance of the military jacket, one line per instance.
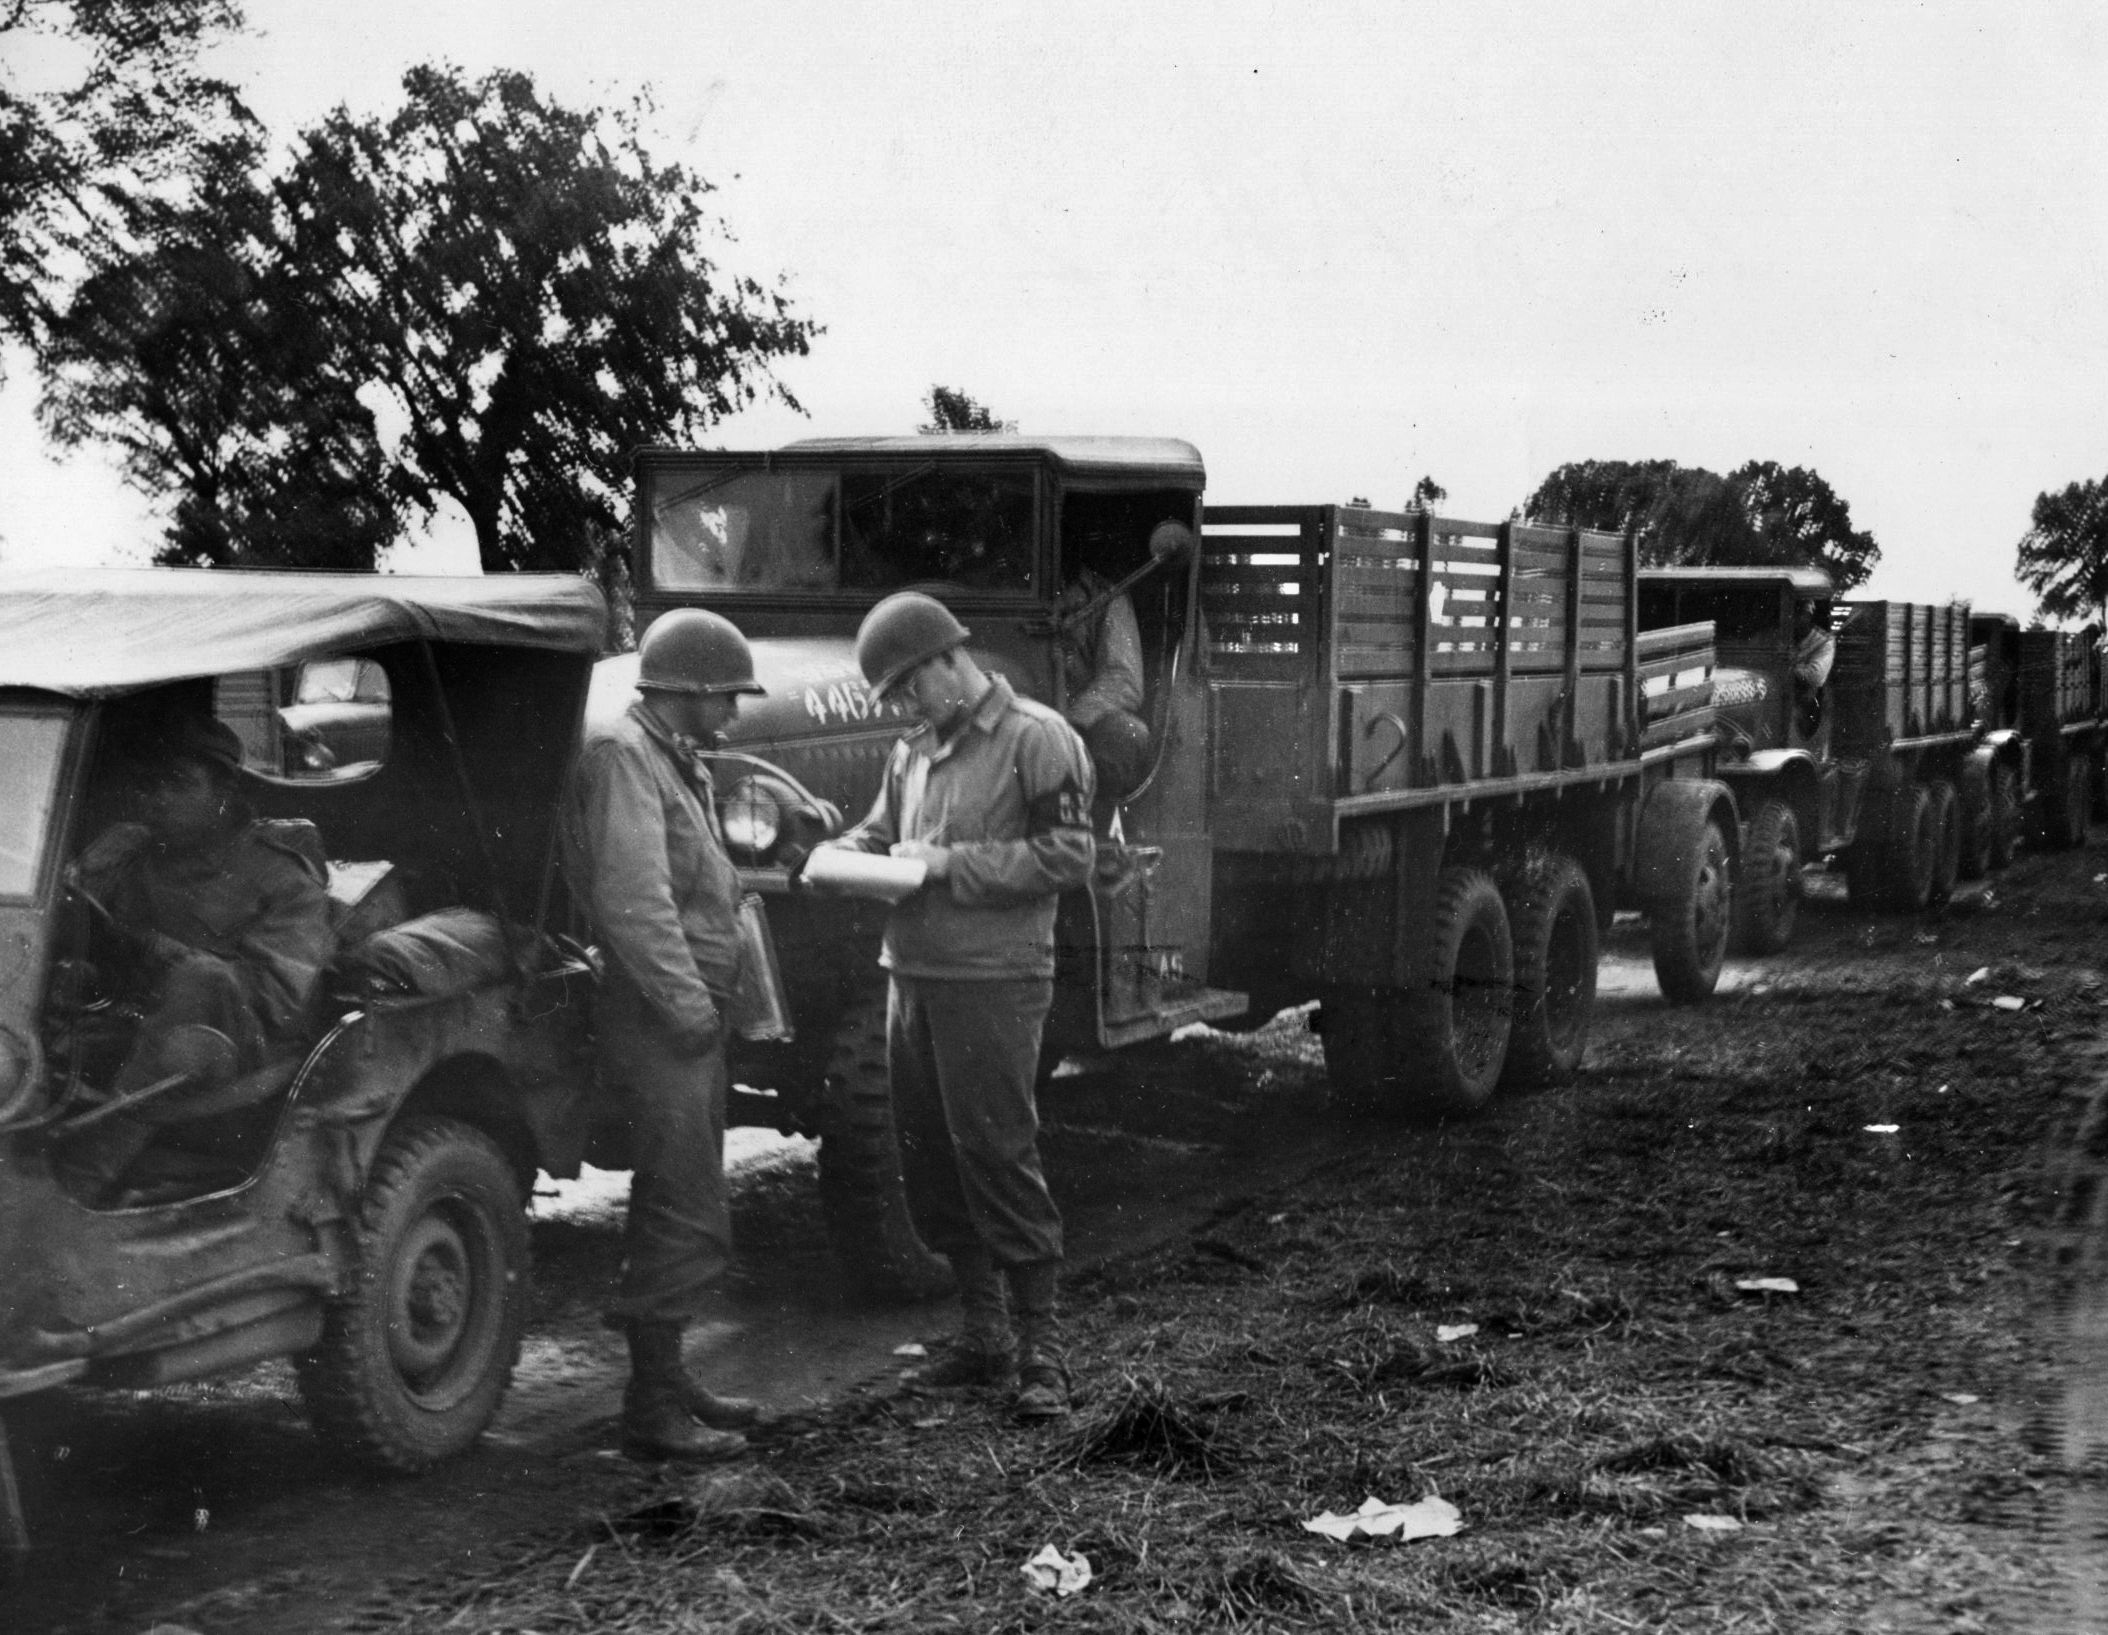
(1009, 793)
(647, 861)
(260, 902)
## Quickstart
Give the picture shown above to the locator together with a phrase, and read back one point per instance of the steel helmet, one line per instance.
(693, 651)
(904, 630)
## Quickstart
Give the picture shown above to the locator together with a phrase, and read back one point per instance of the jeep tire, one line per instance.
(418, 1350)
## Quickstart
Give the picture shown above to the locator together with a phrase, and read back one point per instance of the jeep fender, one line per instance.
(1672, 825)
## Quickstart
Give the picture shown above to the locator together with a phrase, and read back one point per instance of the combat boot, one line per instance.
(1042, 1371)
(979, 1354)
(656, 1422)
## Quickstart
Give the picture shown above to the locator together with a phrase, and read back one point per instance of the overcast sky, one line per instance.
(1341, 246)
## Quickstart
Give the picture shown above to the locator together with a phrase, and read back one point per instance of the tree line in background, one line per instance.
(490, 297)
(485, 296)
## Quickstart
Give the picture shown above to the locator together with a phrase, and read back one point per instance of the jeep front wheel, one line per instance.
(417, 1352)
(874, 1239)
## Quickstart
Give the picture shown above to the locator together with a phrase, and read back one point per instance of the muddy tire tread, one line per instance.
(343, 1382)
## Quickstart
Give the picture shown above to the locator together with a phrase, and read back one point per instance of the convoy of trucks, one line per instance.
(1405, 770)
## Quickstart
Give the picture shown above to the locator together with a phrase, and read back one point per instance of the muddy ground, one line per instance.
(1901, 1117)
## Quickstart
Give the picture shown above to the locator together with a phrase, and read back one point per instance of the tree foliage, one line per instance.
(953, 411)
(2063, 557)
(518, 286)
(202, 361)
(75, 155)
(1427, 494)
(538, 296)
(1762, 514)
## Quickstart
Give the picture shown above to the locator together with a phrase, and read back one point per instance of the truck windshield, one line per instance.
(858, 530)
(29, 748)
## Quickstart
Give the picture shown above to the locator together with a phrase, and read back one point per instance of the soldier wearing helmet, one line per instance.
(216, 923)
(646, 860)
(992, 794)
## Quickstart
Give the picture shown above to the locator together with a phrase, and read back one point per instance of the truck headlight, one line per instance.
(753, 818)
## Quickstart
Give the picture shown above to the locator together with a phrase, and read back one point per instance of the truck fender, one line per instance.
(1672, 823)
(1771, 763)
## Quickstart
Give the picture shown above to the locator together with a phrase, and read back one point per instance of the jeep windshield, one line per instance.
(812, 529)
(30, 745)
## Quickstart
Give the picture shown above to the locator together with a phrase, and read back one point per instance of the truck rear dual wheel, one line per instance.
(1946, 843)
(1436, 1049)
(2068, 811)
(2003, 809)
(1552, 921)
(1691, 920)
(1892, 863)
(1768, 896)
(1973, 821)
(417, 1352)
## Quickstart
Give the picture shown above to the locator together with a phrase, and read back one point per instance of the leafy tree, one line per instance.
(201, 360)
(1683, 514)
(954, 411)
(1427, 494)
(133, 119)
(2063, 557)
(1761, 515)
(536, 293)
(1801, 519)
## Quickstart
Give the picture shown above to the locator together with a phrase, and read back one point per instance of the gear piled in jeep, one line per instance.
(289, 1032)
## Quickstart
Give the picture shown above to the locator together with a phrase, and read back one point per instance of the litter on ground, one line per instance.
(1051, 1571)
(1431, 1517)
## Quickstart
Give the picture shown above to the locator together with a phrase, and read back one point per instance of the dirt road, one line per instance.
(210, 1506)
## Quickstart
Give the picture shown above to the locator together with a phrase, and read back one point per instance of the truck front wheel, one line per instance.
(874, 1239)
(1768, 898)
(1552, 914)
(2003, 815)
(1691, 921)
(416, 1354)
(1435, 1049)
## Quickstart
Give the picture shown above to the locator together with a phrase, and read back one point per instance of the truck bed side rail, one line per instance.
(1676, 684)
(2059, 681)
(1902, 675)
(1361, 661)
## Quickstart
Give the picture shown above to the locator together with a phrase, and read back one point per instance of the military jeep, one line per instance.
(359, 1205)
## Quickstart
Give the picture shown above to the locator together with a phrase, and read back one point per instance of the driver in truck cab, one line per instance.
(1101, 661)
(210, 918)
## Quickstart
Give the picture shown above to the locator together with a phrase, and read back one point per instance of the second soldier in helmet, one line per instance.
(647, 858)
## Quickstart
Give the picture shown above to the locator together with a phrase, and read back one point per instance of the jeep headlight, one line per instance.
(753, 815)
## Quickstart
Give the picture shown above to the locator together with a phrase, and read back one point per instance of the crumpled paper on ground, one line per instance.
(1051, 1570)
(1432, 1517)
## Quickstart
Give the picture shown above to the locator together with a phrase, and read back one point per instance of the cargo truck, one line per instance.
(1403, 765)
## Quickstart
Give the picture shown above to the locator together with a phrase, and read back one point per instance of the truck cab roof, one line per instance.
(1804, 581)
(1160, 458)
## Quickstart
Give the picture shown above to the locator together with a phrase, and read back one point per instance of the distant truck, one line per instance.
(1404, 765)
(1911, 761)
(2043, 704)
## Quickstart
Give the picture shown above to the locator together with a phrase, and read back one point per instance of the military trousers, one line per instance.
(962, 1057)
(677, 1238)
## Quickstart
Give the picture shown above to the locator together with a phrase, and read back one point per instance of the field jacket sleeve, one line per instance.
(282, 951)
(1055, 851)
(881, 825)
(1116, 671)
(623, 830)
